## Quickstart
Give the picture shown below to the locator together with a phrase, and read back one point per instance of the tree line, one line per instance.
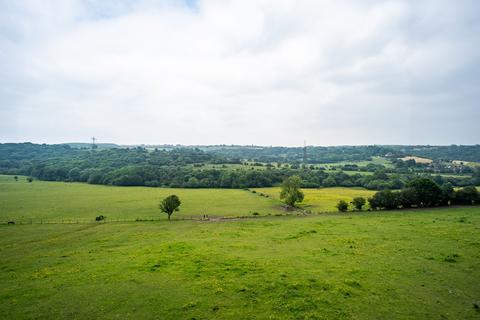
(191, 168)
(424, 192)
(332, 154)
(418, 193)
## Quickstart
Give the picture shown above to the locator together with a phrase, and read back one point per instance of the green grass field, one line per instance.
(389, 265)
(57, 200)
(350, 173)
(375, 160)
(323, 199)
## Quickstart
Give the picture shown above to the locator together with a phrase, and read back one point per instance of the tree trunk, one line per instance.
(169, 216)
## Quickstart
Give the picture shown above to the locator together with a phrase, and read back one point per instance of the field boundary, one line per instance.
(24, 221)
(198, 217)
(206, 218)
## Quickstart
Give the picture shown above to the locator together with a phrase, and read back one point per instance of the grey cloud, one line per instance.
(263, 72)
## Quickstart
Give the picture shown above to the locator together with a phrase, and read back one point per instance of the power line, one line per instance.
(305, 151)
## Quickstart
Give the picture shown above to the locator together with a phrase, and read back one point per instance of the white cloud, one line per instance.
(263, 72)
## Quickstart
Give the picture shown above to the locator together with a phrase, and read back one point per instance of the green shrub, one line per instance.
(358, 203)
(342, 206)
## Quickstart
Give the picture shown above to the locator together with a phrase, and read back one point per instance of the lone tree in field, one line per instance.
(358, 203)
(170, 204)
(291, 192)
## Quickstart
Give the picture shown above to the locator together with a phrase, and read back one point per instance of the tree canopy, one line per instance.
(291, 192)
(234, 166)
(424, 192)
(170, 204)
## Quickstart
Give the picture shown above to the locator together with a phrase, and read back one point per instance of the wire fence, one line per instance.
(192, 217)
(200, 217)
(23, 220)
(106, 219)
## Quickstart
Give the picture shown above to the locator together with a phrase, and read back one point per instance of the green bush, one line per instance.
(342, 206)
(358, 202)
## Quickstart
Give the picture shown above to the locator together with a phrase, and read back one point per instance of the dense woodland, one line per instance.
(345, 153)
(238, 167)
(423, 192)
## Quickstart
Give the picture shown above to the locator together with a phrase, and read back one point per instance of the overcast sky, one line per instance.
(240, 72)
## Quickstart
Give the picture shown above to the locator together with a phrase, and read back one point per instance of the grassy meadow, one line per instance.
(420, 264)
(375, 160)
(401, 264)
(57, 200)
(322, 199)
